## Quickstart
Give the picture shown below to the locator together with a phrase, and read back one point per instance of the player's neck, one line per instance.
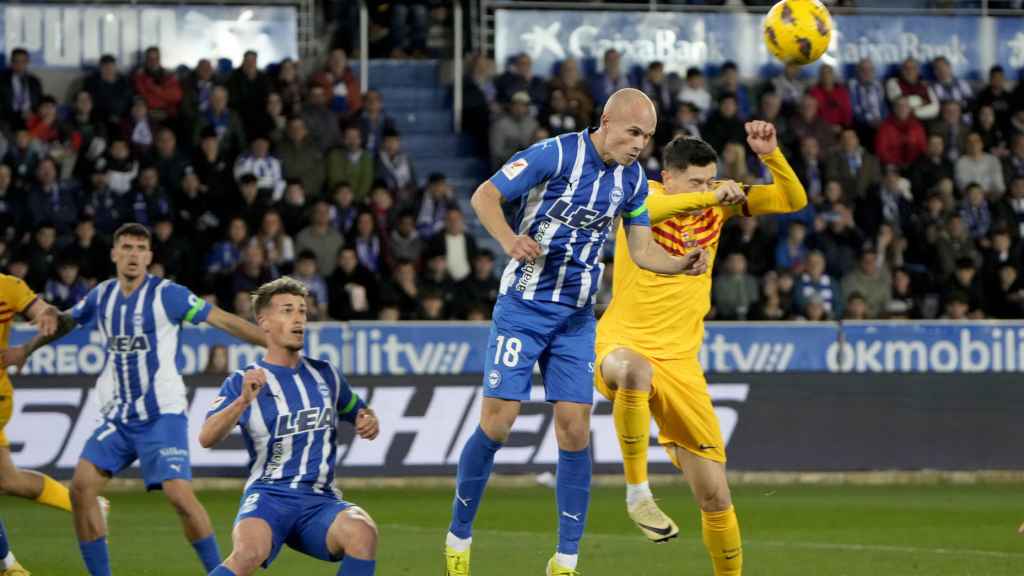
(129, 285)
(281, 356)
(597, 137)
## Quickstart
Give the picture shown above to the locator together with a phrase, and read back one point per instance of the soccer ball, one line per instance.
(797, 31)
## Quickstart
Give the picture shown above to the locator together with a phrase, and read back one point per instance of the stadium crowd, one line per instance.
(916, 186)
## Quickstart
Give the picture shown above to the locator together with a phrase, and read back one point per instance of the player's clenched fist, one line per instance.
(522, 248)
(761, 137)
(367, 425)
(252, 382)
(728, 193)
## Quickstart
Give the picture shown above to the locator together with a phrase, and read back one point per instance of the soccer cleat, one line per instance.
(16, 570)
(554, 569)
(655, 524)
(456, 563)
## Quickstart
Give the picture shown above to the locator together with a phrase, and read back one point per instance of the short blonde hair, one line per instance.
(283, 285)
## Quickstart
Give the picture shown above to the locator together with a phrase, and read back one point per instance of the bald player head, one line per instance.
(627, 125)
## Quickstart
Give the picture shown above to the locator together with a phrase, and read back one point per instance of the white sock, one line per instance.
(566, 560)
(458, 544)
(8, 561)
(637, 492)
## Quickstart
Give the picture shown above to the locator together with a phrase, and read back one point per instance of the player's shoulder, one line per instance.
(655, 187)
(320, 366)
(10, 283)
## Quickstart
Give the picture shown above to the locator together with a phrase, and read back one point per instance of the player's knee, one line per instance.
(497, 424)
(357, 536)
(572, 432)
(715, 498)
(637, 376)
(248, 557)
(82, 492)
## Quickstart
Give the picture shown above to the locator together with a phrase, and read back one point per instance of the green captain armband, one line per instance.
(352, 402)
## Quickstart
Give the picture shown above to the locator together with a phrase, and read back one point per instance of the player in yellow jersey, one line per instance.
(17, 298)
(649, 337)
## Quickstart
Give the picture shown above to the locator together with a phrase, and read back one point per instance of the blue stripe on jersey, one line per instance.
(104, 300)
(152, 357)
(572, 201)
(120, 362)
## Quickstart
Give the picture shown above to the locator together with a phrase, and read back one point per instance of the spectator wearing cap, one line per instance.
(975, 213)
(437, 199)
(159, 87)
(351, 163)
(52, 201)
(519, 78)
(20, 91)
(267, 169)
(396, 169)
(513, 131)
(301, 158)
(965, 280)
(815, 282)
(321, 120)
(900, 138)
(457, 247)
(871, 280)
(909, 84)
(930, 168)
(948, 87)
(373, 121)
(695, 92)
(112, 92)
(337, 79)
(248, 87)
(353, 289)
(320, 238)
(170, 164)
(735, 292)
(225, 123)
(89, 250)
(978, 166)
(833, 99)
(307, 273)
(855, 169)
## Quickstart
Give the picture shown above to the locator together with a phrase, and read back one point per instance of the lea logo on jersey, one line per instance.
(302, 421)
(576, 216)
(128, 344)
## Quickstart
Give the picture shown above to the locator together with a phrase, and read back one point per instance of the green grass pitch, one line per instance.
(932, 530)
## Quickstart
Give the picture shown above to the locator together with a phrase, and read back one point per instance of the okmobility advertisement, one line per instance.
(683, 39)
(861, 396)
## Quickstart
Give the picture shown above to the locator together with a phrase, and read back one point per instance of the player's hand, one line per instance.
(367, 425)
(695, 262)
(46, 321)
(522, 248)
(253, 381)
(729, 192)
(15, 356)
(761, 137)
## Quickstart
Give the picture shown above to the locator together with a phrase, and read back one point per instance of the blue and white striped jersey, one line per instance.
(141, 377)
(290, 429)
(570, 198)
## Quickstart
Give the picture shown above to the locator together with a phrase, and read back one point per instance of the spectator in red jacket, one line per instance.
(901, 138)
(340, 84)
(833, 98)
(159, 87)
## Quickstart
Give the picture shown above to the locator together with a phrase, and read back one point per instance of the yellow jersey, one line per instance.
(15, 298)
(661, 315)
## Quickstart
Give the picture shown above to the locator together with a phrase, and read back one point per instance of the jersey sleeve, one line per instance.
(229, 392)
(349, 403)
(16, 293)
(634, 209)
(84, 313)
(184, 306)
(528, 168)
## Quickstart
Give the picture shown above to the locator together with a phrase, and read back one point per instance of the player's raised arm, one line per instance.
(661, 207)
(786, 193)
(236, 326)
(236, 395)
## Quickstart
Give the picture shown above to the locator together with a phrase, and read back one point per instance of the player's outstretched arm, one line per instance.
(650, 256)
(236, 326)
(786, 194)
(219, 424)
(664, 206)
(486, 202)
(58, 324)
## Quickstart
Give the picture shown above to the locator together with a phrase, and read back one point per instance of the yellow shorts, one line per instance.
(6, 407)
(680, 404)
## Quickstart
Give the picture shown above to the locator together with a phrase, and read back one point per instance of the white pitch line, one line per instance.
(755, 543)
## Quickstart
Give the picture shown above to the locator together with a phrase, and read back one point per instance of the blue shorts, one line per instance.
(297, 518)
(160, 446)
(558, 337)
